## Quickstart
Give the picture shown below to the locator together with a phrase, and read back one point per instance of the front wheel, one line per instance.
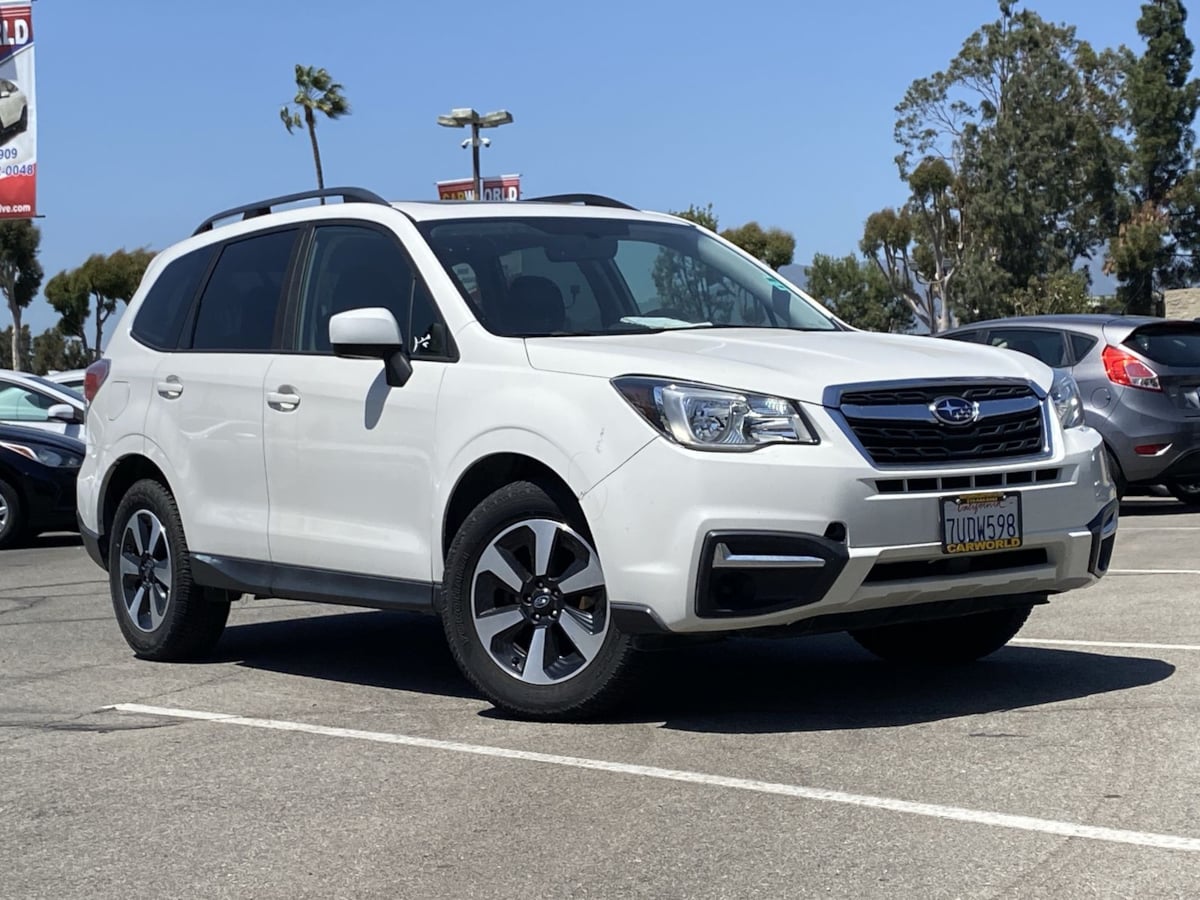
(1186, 490)
(526, 612)
(163, 614)
(11, 526)
(961, 639)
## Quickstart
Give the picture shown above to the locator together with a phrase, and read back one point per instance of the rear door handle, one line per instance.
(285, 399)
(170, 387)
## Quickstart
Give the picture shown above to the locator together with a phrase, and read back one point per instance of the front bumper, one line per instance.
(661, 520)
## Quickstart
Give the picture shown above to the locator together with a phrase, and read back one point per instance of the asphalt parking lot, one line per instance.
(338, 753)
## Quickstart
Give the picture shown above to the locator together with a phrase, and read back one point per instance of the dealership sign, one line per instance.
(496, 187)
(18, 131)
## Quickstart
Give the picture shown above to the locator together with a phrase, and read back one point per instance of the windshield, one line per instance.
(527, 277)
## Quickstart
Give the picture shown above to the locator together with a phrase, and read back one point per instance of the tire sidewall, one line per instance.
(506, 507)
(11, 533)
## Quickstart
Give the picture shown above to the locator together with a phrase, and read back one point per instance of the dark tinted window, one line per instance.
(556, 276)
(351, 268)
(238, 308)
(162, 314)
(1044, 345)
(1081, 345)
(1171, 345)
(973, 337)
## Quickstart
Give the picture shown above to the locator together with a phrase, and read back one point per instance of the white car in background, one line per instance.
(37, 402)
(14, 108)
(73, 378)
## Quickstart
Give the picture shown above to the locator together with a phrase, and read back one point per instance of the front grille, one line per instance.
(952, 566)
(895, 426)
(929, 393)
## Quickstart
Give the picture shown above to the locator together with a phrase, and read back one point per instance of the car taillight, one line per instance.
(94, 377)
(1125, 368)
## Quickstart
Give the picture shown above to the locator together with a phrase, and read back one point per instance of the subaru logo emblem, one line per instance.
(954, 410)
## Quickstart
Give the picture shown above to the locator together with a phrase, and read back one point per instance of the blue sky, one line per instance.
(154, 114)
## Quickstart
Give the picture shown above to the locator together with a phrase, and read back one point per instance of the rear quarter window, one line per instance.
(161, 317)
(1170, 345)
(1081, 345)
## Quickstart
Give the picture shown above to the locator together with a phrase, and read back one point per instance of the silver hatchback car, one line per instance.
(1140, 382)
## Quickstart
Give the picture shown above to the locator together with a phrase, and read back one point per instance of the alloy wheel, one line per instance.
(538, 602)
(145, 570)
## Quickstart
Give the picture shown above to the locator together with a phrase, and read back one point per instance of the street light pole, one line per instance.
(475, 160)
(459, 118)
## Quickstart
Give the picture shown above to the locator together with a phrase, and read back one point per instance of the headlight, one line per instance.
(708, 418)
(1067, 400)
(45, 455)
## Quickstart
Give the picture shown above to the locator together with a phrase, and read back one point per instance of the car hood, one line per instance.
(19, 434)
(798, 365)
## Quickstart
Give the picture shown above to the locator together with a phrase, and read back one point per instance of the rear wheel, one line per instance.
(163, 614)
(1185, 490)
(11, 516)
(960, 639)
(526, 611)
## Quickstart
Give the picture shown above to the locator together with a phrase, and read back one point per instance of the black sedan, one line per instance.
(37, 482)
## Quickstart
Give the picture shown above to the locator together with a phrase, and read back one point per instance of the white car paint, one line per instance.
(13, 104)
(354, 476)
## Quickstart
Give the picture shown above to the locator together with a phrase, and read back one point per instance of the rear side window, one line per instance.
(1040, 344)
(162, 314)
(1081, 345)
(971, 337)
(1171, 345)
(241, 300)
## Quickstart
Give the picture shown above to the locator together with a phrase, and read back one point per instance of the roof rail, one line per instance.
(585, 199)
(264, 207)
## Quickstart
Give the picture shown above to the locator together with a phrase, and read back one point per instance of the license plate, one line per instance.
(978, 523)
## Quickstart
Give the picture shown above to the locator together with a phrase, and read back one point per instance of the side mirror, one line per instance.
(372, 333)
(63, 412)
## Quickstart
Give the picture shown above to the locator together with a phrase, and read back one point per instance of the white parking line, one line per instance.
(1125, 528)
(973, 816)
(1115, 645)
(1154, 571)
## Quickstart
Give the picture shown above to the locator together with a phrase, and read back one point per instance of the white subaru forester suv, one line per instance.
(569, 429)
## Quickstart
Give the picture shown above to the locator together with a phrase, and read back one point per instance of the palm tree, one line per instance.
(316, 91)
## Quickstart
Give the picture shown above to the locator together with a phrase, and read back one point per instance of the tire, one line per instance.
(1185, 490)
(493, 611)
(961, 639)
(23, 122)
(12, 521)
(1118, 477)
(162, 613)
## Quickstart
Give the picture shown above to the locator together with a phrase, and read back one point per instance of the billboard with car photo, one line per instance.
(18, 131)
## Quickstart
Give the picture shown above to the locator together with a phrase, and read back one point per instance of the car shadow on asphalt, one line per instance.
(1149, 507)
(737, 686)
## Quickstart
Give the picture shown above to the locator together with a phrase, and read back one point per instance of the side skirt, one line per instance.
(246, 576)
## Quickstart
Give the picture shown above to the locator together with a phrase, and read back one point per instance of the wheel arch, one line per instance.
(490, 473)
(128, 470)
